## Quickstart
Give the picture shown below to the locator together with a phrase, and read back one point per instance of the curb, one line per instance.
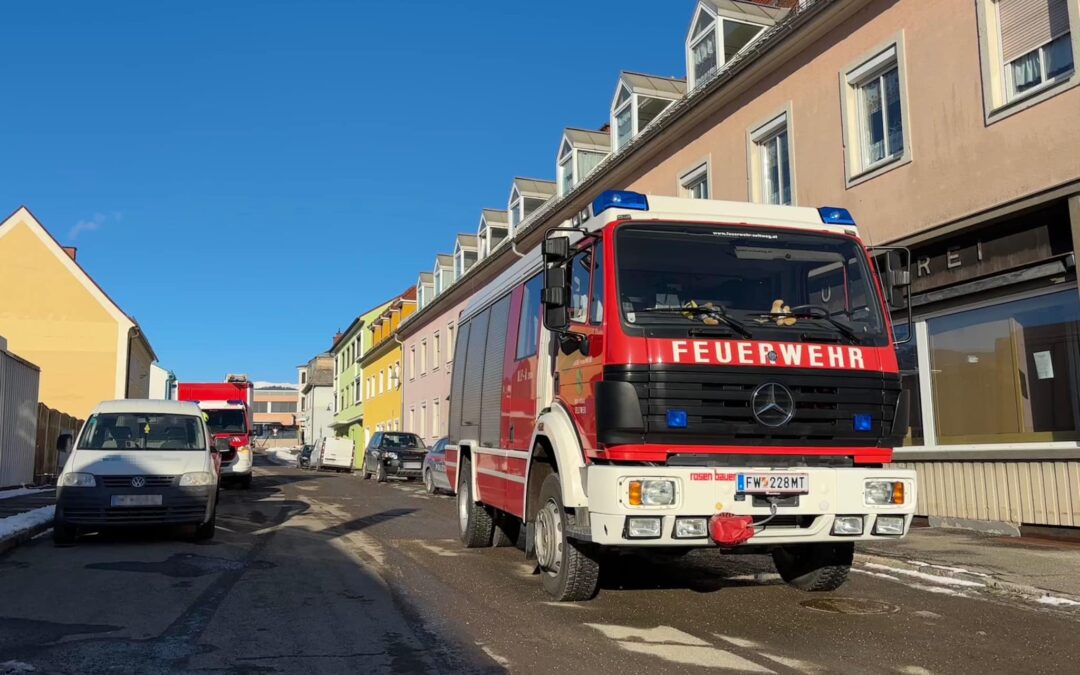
(1027, 591)
(23, 536)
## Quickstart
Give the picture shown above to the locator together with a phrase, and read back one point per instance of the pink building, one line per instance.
(427, 363)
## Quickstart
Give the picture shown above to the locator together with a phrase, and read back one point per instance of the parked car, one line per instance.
(303, 460)
(139, 463)
(337, 454)
(394, 453)
(434, 471)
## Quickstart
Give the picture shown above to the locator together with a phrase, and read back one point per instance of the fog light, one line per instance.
(889, 525)
(847, 525)
(691, 528)
(883, 492)
(643, 528)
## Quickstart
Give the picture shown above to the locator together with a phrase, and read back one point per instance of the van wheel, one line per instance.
(474, 520)
(380, 472)
(64, 535)
(569, 570)
(205, 532)
(815, 567)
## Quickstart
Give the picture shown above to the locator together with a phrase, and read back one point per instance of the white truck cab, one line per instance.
(138, 463)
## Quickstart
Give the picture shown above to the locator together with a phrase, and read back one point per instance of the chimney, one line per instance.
(71, 251)
(337, 338)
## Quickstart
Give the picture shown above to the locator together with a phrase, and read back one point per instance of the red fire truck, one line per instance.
(677, 373)
(228, 408)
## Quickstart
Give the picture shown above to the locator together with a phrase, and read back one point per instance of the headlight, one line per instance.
(883, 492)
(389, 455)
(244, 450)
(651, 492)
(78, 480)
(197, 478)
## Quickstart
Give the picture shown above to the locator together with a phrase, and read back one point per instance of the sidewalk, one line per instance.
(24, 514)
(1042, 570)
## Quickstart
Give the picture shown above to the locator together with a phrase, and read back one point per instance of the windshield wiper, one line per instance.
(819, 313)
(717, 313)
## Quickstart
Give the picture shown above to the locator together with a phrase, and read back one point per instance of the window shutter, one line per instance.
(1028, 24)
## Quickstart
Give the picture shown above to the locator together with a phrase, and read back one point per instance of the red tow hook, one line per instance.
(728, 529)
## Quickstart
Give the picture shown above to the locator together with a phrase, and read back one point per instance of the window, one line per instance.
(703, 46)
(436, 356)
(357, 391)
(514, 207)
(695, 183)
(412, 363)
(450, 341)
(421, 423)
(875, 118)
(412, 418)
(436, 429)
(566, 170)
(715, 40)
(281, 406)
(596, 304)
(303, 377)
(579, 287)
(1033, 49)
(770, 162)
(423, 357)
(528, 337)
(624, 119)
(261, 407)
(382, 381)
(587, 161)
(1008, 372)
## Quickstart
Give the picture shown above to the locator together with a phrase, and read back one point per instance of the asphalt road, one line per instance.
(313, 573)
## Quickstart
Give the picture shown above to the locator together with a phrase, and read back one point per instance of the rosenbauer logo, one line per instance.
(785, 354)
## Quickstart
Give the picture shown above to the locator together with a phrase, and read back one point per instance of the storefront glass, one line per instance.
(907, 355)
(1007, 373)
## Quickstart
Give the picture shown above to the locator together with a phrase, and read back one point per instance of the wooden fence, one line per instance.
(50, 424)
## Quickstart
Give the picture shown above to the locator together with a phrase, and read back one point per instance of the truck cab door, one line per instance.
(579, 367)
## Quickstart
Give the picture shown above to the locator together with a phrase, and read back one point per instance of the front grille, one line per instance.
(787, 522)
(135, 515)
(717, 404)
(125, 481)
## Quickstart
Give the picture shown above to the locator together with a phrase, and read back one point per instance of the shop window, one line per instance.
(1009, 372)
(907, 354)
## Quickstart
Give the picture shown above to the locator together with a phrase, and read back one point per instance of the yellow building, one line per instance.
(381, 367)
(53, 314)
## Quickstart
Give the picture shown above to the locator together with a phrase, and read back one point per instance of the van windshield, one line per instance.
(753, 281)
(226, 421)
(142, 431)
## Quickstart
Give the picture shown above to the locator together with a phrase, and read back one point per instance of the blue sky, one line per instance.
(246, 177)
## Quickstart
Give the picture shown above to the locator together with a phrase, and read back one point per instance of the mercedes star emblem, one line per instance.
(138, 481)
(772, 404)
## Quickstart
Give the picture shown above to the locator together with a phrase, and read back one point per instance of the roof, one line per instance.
(444, 259)
(427, 278)
(144, 405)
(535, 187)
(584, 139)
(495, 216)
(467, 240)
(751, 11)
(653, 85)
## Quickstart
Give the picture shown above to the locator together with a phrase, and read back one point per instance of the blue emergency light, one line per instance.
(863, 422)
(676, 419)
(831, 215)
(622, 199)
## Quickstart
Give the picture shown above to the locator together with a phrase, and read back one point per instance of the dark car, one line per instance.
(435, 478)
(303, 460)
(394, 453)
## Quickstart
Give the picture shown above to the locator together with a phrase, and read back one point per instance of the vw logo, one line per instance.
(772, 404)
(138, 481)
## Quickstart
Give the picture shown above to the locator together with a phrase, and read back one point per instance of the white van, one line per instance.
(136, 463)
(336, 453)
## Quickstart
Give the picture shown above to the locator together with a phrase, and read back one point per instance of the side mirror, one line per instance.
(64, 442)
(555, 249)
(221, 445)
(894, 268)
(556, 298)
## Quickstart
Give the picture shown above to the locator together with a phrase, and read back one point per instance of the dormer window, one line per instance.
(425, 291)
(465, 254)
(639, 99)
(579, 153)
(526, 196)
(720, 30)
(492, 232)
(443, 274)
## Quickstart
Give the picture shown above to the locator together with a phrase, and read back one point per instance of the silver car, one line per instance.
(435, 478)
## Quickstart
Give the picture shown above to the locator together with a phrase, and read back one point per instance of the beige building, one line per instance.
(947, 127)
(55, 315)
(274, 413)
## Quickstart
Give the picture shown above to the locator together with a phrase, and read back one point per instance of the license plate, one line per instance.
(773, 483)
(136, 500)
(411, 465)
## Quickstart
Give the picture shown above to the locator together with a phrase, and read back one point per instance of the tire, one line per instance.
(475, 525)
(815, 567)
(64, 535)
(429, 483)
(245, 482)
(569, 570)
(507, 530)
(380, 473)
(205, 532)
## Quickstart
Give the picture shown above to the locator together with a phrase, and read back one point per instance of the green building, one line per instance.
(348, 348)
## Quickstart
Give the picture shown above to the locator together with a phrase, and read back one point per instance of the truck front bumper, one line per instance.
(704, 492)
(240, 465)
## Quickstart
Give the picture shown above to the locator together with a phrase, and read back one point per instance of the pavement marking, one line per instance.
(927, 614)
(501, 660)
(438, 550)
(914, 670)
(739, 642)
(796, 664)
(675, 646)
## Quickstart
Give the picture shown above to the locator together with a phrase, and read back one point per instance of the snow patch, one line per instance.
(875, 574)
(282, 455)
(260, 384)
(955, 570)
(1054, 601)
(13, 525)
(19, 492)
(934, 578)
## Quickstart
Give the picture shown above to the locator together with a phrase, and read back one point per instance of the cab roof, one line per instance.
(138, 405)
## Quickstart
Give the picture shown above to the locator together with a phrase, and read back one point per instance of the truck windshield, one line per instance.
(228, 421)
(141, 431)
(402, 441)
(750, 282)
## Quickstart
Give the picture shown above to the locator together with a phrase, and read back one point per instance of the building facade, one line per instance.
(274, 414)
(55, 315)
(381, 366)
(348, 351)
(428, 353)
(317, 399)
(948, 128)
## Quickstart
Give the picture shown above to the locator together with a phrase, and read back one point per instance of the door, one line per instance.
(520, 388)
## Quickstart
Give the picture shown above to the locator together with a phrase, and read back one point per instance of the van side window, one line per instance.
(597, 304)
(579, 287)
(528, 336)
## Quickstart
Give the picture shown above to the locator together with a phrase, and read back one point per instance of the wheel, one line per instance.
(569, 570)
(507, 530)
(380, 472)
(64, 535)
(205, 532)
(429, 484)
(474, 521)
(245, 482)
(815, 567)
